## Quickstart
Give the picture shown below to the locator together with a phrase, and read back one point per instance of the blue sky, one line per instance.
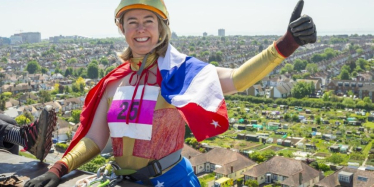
(94, 18)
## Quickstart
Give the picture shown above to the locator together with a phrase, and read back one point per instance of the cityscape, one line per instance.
(313, 114)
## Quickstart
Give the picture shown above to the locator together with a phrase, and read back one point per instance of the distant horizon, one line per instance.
(332, 33)
(95, 18)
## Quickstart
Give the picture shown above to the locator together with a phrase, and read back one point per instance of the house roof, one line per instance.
(189, 152)
(282, 89)
(333, 180)
(215, 156)
(277, 164)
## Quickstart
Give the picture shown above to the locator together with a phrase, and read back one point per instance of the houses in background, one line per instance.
(285, 171)
(348, 177)
(224, 162)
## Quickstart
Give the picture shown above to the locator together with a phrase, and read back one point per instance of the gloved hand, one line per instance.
(48, 179)
(301, 30)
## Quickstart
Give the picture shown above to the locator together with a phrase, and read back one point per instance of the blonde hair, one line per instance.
(162, 45)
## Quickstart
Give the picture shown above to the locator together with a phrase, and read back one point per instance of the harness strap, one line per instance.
(153, 169)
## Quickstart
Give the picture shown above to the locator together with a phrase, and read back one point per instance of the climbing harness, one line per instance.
(105, 177)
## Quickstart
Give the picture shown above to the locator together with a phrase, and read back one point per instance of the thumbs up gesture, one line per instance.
(302, 27)
(301, 30)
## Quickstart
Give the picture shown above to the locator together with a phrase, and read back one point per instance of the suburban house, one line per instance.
(297, 174)
(70, 104)
(360, 88)
(348, 177)
(255, 90)
(232, 166)
(282, 90)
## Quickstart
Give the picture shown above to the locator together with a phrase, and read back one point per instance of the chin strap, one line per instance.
(144, 61)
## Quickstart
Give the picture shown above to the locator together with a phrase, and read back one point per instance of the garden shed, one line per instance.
(335, 149)
(310, 147)
(287, 143)
(344, 148)
(252, 137)
(241, 127)
(240, 136)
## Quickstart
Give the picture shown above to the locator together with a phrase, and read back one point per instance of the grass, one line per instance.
(28, 155)
(327, 173)
(207, 178)
(367, 148)
(369, 124)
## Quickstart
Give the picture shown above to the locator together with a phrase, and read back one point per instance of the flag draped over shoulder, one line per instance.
(194, 88)
(189, 84)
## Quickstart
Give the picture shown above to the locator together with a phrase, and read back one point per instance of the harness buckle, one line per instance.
(156, 167)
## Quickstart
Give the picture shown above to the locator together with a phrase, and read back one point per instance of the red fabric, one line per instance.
(92, 101)
(59, 169)
(206, 129)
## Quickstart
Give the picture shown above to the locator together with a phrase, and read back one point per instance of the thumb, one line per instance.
(297, 11)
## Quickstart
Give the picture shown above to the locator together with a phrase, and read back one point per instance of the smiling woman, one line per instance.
(144, 104)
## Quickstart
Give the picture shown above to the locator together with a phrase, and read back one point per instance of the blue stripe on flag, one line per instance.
(177, 80)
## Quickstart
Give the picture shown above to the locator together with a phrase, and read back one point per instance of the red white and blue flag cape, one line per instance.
(189, 84)
(193, 87)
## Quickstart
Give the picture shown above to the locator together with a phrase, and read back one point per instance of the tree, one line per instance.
(3, 100)
(295, 118)
(104, 61)
(367, 100)
(45, 96)
(344, 75)
(22, 120)
(101, 73)
(362, 63)
(301, 89)
(4, 60)
(109, 69)
(251, 183)
(29, 116)
(336, 158)
(348, 102)
(44, 70)
(69, 72)
(80, 83)
(214, 63)
(299, 65)
(289, 67)
(32, 67)
(75, 116)
(72, 61)
(92, 71)
(312, 68)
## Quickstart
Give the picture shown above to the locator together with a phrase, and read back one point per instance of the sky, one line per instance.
(95, 18)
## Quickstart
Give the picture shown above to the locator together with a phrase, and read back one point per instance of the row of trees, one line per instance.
(330, 100)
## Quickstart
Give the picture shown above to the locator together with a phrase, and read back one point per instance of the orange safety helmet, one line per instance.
(156, 6)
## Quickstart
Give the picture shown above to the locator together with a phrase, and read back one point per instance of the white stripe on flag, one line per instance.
(132, 130)
(173, 58)
(126, 92)
(204, 90)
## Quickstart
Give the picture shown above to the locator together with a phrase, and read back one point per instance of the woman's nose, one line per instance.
(140, 28)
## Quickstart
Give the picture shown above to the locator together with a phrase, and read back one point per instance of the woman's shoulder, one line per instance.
(111, 87)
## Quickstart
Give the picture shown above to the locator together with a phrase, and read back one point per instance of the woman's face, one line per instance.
(141, 31)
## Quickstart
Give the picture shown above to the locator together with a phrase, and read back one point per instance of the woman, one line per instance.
(144, 103)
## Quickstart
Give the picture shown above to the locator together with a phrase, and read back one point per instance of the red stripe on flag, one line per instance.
(205, 124)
